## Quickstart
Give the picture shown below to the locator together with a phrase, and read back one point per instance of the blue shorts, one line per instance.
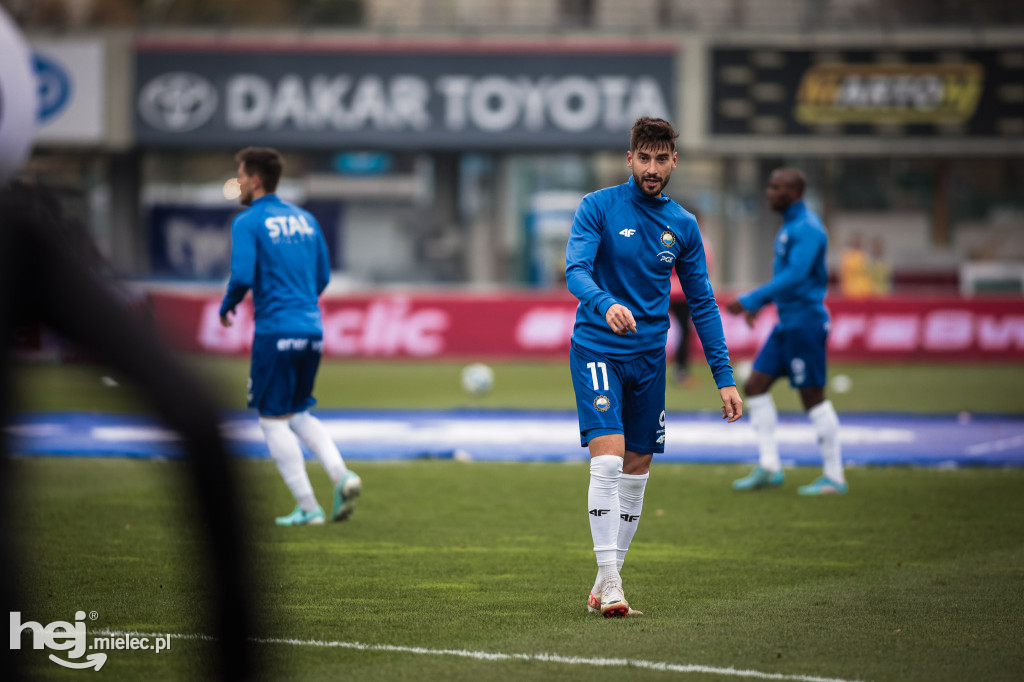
(616, 394)
(282, 373)
(797, 352)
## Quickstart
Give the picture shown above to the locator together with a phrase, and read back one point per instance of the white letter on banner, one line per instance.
(533, 101)
(289, 104)
(423, 332)
(341, 332)
(325, 100)
(894, 332)
(494, 103)
(845, 328)
(614, 90)
(948, 330)
(581, 92)
(454, 89)
(409, 98)
(248, 101)
(646, 100)
(369, 107)
(1002, 334)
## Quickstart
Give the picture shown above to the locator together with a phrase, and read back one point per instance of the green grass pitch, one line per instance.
(915, 575)
(948, 388)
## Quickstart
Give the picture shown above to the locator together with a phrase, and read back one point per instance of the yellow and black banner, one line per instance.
(914, 93)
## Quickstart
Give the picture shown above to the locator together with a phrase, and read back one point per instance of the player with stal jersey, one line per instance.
(278, 251)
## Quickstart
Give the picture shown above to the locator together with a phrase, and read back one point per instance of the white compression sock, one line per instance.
(313, 433)
(826, 425)
(603, 507)
(631, 503)
(287, 454)
(763, 418)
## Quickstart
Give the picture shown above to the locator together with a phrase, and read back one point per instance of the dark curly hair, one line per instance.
(652, 133)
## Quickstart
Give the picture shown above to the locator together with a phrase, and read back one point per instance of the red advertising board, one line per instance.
(517, 324)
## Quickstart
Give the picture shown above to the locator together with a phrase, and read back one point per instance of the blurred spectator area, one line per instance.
(517, 15)
(926, 220)
(935, 218)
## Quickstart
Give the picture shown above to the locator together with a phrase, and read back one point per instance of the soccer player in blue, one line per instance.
(625, 243)
(797, 345)
(278, 251)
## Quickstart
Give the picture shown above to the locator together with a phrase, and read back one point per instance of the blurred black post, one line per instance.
(47, 276)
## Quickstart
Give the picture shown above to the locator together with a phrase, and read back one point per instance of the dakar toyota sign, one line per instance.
(441, 98)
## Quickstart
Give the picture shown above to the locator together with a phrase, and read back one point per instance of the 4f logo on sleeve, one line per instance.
(599, 512)
(628, 232)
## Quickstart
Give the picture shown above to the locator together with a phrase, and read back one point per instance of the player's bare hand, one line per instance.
(735, 307)
(749, 318)
(620, 319)
(732, 404)
(225, 320)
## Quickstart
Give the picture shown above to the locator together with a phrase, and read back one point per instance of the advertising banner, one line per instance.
(948, 93)
(519, 325)
(72, 90)
(449, 96)
(194, 241)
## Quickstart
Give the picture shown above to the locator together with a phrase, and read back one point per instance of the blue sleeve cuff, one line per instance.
(748, 302)
(605, 304)
(723, 379)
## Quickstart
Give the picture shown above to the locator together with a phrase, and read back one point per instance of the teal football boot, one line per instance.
(823, 486)
(759, 478)
(301, 518)
(345, 494)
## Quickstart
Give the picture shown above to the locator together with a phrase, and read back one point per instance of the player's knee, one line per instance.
(812, 397)
(605, 466)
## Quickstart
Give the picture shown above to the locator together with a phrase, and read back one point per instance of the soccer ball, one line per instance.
(477, 379)
(841, 383)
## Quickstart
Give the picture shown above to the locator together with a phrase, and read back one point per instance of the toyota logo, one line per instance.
(177, 102)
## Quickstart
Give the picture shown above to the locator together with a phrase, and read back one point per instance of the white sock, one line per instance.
(287, 454)
(763, 418)
(603, 507)
(313, 433)
(826, 425)
(631, 503)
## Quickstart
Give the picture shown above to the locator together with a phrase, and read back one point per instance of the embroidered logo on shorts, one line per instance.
(668, 239)
(601, 403)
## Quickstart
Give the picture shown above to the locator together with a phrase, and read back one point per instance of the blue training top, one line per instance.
(799, 275)
(278, 251)
(623, 248)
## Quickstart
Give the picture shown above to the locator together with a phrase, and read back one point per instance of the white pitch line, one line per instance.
(995, 446)
(497, 656)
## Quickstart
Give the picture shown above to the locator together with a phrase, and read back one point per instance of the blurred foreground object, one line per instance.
(44, 278)
(17, 98)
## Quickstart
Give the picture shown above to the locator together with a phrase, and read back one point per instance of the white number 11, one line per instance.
(592, 366)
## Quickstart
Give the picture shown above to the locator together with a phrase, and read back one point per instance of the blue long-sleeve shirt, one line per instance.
(278, 251)
(623, 248)
(799, 274)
